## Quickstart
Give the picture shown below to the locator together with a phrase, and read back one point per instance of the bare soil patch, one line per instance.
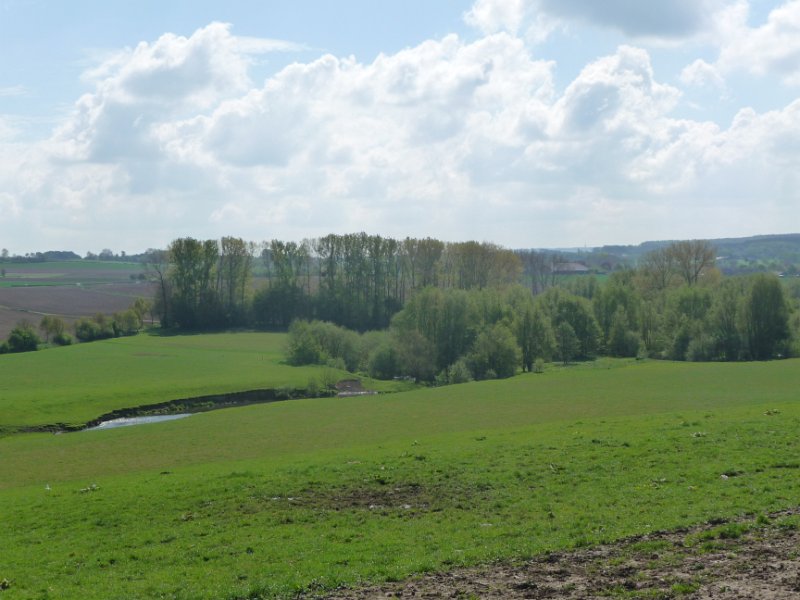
(721, 561)
(381, 497)
(67, 302)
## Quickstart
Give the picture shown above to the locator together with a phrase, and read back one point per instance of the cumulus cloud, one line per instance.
(773, 47)
(449, 138)
(702, 74)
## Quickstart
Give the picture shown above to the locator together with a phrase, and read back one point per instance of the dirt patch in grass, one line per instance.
(380, 496)
(720, 561)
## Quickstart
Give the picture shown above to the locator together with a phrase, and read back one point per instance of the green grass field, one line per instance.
(268, 500)
(75, 384)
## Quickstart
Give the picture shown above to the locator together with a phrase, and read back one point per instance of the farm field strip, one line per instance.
(68, 289)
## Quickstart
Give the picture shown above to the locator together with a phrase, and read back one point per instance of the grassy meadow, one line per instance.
(75, 384)
(269, 500)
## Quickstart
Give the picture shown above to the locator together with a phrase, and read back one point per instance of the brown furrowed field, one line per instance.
(69, 290)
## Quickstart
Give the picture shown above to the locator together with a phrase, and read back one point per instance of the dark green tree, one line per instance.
(534, 335)
(494, 354)
(567, 342)
(22, 338)
(765, 319)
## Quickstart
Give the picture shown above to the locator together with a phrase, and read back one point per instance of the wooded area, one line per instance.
(472, 310)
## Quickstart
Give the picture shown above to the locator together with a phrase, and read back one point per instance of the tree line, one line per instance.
(431, 309)
(356, 280)
(450, 335)
(675, 304)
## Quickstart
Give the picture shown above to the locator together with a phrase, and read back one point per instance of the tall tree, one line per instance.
(195, 302)
(657, 269)
(156, 264)
(691, 259)
(765, 318)
(534, 336)
(233, 277)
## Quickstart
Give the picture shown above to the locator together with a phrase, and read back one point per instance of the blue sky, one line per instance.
(529, 123)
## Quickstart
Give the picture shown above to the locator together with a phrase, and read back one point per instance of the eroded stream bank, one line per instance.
(185, 406)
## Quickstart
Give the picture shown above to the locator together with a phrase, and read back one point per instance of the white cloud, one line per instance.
(9, 206)
(702, 74)
(491, 16)
(773, 47)
(448, 138)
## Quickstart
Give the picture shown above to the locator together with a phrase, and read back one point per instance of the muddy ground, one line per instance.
(755, 559)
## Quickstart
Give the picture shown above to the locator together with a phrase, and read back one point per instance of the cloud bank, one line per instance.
(451, 138)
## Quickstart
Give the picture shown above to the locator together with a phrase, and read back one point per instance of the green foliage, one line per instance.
(494, 354)
(623, 341)
(62, 339)
(383, 361)
(578, 314)
(446, 318)
(52, 327)
(126, 323)
(534, 335)
(567, 342)
(416, 355)
(316, 342)
(303, 347)
(22, 338)
(765, 319)
(98, 327)
(459, 372)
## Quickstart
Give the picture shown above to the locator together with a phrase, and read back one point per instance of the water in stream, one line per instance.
(128, 421)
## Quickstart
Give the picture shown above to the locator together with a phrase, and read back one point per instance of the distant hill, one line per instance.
(779, 253)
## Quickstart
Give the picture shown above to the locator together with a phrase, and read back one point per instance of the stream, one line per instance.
(129, 421)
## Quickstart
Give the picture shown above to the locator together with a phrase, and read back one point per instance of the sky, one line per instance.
(527, 123)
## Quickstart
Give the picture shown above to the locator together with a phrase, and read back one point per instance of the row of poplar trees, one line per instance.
(355, 280)
(674, 305)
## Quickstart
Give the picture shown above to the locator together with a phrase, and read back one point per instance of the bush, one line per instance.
(316, 342)
(22, 338)
(303, 348)
(86, 330)
(62, 339)
(126, 323)
(700, 349)
(495, 353)
(538, 366)
(312, 388)
(382, 362)
(459, 372)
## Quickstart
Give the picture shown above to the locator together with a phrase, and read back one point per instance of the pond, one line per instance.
(128, 421)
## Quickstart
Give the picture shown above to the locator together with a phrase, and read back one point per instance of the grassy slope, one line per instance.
(78, 383)
(267, 499)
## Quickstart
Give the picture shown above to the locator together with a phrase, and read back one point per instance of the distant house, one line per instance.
(571, 268)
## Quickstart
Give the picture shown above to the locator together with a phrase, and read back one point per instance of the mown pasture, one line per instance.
(269, 500)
